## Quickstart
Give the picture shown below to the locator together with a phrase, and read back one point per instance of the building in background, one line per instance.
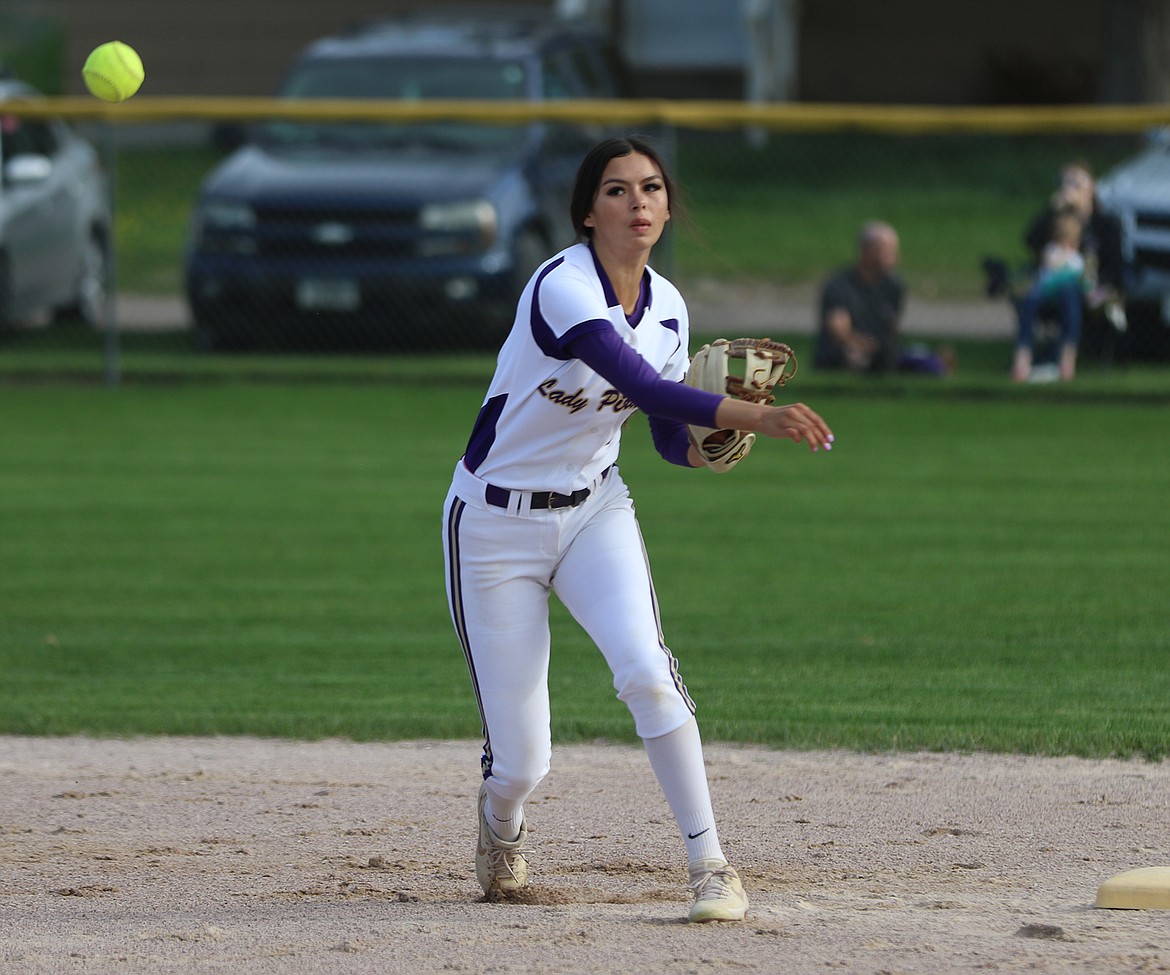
(898, 51)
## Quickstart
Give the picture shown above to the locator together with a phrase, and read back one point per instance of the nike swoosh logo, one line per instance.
(695, 836)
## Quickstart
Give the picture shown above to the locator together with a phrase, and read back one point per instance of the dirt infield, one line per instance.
(247, 856)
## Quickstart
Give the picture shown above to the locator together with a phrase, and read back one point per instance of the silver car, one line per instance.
(1138, 192)
(54, 220)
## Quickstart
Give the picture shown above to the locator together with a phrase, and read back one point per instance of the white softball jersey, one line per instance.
(548, 421)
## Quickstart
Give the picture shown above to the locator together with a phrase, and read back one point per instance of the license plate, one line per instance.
(328, 294)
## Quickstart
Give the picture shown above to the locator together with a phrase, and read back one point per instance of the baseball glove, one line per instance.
(766, 365)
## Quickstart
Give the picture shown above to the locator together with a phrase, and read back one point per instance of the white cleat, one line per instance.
(500, 866)
(719, 895)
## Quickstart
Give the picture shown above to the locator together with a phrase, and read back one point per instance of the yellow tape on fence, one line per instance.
(906, 119)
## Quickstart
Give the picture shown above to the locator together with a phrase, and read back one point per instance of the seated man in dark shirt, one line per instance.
(861, 309)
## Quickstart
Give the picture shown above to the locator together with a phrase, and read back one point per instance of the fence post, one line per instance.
(664, 252)
(112, 367)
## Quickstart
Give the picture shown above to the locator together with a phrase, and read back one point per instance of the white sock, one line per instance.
(504, 816)
(677, 760)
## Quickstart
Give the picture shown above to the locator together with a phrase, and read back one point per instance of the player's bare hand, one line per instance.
(798, 423)
(795, 422)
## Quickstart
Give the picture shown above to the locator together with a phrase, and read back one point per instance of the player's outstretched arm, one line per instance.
(794, 421)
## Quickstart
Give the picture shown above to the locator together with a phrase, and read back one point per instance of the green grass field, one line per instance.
(250, 544)
(965, 571)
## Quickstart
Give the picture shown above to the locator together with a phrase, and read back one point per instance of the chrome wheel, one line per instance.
(88, 305)
(91, 286)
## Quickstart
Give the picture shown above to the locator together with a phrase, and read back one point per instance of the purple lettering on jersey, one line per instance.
(613, 400)
(573, 402)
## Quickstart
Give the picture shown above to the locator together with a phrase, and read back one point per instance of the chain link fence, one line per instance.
(245, 227)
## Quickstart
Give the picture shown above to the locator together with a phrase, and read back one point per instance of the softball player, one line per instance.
(537, 504)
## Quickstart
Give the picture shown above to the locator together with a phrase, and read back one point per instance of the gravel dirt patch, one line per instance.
(715, 306)
(256, 856)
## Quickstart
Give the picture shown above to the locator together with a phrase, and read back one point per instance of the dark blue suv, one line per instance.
(335, 234)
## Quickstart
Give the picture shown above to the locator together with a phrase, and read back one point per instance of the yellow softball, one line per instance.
(113, 71)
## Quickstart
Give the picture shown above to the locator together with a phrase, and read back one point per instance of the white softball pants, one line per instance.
(501, 566)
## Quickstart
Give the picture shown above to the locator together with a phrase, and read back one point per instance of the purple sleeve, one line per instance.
(671, 440)
(603, 351)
